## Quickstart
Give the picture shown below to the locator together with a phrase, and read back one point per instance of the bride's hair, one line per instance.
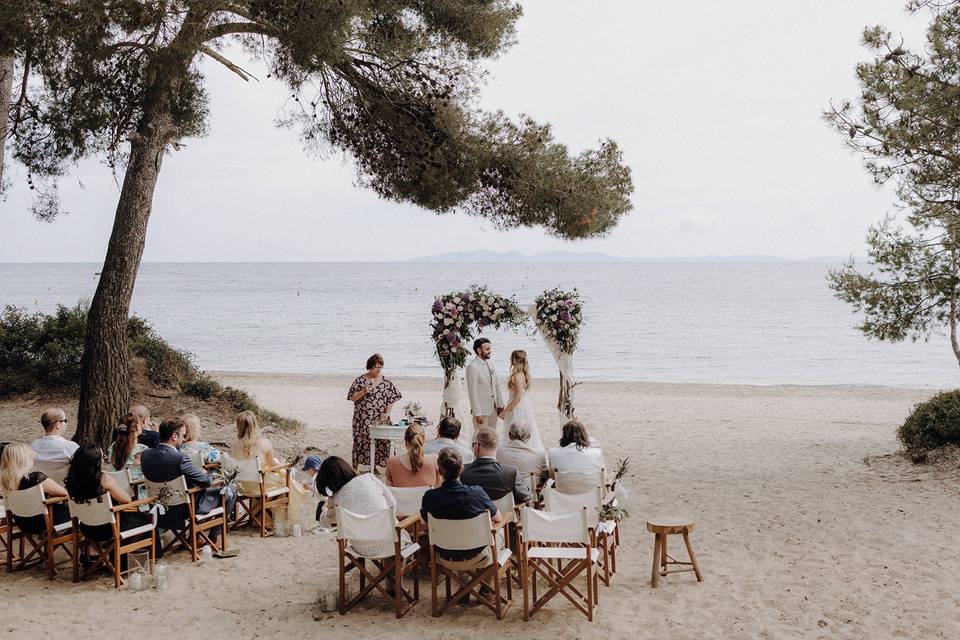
(518, 364)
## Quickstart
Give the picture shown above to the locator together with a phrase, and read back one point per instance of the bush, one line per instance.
(932, 424)
(41, 351)
(166, 366)
(204, 388)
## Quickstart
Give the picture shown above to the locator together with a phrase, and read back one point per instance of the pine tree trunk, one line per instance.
(6, 89)
(105, 378)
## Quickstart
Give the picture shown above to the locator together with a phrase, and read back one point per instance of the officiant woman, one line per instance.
(372, 396)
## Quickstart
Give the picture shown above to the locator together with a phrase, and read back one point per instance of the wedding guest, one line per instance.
(16, 475)
(490, 475)
(575, 452)
(86, 481)
(454, 500)
(192, 442)
(447, 433)
(361, 494)
(517, 451)
(53, 452)
(149, 434)
(125, 451)
(373, 397)
(311, 467)
(251, 443)
(166, 462)
(413, 468)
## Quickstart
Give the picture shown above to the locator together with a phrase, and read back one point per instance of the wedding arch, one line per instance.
(556, 314)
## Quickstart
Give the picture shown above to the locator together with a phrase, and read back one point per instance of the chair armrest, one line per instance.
(507, 519)
(407, 522)
(55, 500)
(193, 490)
(133, 505)
(278, 467)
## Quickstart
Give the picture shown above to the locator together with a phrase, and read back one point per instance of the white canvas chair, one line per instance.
(506, 506)
(122, 478)
(195, 458)
(579, 481)
(7, 530)
(255, 499)
(604, 533)
(196, 530)
(393, 566)
(409, 499)
(565, 537)
(101, 512)
(29, 503)
(491, 564)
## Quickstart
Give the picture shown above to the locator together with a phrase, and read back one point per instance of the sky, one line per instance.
(716, 107)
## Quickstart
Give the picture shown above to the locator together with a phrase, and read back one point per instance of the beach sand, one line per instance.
(808, 526)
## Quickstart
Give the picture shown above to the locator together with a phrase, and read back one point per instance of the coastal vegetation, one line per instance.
(932, 425)
(43, 353)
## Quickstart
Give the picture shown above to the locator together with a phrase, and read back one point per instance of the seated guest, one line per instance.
(311, 467)
(251, 443)
(496, 479)
(414, 468)
(454, 500)
(53, 452)
(15, 475)
(166, 462)
(518, 452)
(575, 452)
(193, 444)
(86, 481)
(362, 494)
(447, 433)
(125, 451)
(149, 434)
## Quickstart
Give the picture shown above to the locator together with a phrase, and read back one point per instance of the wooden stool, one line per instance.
(662, 527)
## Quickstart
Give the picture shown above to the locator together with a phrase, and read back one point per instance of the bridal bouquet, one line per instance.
(559, 315)
(454, 315)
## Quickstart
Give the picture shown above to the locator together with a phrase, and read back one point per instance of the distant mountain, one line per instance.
(484, 256)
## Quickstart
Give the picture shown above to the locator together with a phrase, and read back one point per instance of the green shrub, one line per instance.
(932, 424)
(166, 366)
(203, 387)
(39, 350)
(239, 399)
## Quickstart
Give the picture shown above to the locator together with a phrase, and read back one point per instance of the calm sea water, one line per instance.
(708, 323)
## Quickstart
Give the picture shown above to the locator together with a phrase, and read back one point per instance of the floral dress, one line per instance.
(368, 412)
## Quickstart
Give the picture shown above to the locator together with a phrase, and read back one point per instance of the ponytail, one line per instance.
(413, 437)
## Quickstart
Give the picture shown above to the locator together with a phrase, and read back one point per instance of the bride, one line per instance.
(519, 408)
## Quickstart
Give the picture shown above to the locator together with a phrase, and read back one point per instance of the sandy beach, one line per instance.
(808, 526)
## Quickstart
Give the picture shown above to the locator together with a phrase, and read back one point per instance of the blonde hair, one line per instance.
(16, 462)
(248, 434)
(414, 437)
(518, 364)
(193, 426)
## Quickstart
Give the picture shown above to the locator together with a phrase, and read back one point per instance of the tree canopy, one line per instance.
(391, 83)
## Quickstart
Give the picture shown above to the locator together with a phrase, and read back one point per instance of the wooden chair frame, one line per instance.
(196, 533)
(396, 568)
(469, 581)
(42, 546)
(572, 560)
(109, 554)
(606, 537)
(252, 509)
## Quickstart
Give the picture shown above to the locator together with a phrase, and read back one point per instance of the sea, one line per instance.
(723, 323)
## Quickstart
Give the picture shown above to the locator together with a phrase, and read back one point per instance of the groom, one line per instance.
(486, 402)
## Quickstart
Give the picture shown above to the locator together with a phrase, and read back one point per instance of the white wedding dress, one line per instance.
(523, 411)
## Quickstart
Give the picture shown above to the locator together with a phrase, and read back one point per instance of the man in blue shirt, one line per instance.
(454, 500)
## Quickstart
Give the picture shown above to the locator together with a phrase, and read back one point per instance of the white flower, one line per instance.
(448, 321)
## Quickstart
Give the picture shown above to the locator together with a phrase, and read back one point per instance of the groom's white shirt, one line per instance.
(483, 388)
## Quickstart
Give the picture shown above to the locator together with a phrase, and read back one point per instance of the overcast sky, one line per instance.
(716, 106)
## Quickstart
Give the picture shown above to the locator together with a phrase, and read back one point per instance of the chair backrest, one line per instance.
(549, 526)
(460, 535)
(122, 478)
(409, 499)
(506, 504)
(579, 481)
(26, 503)
(248, 470)
(227, 462)
(58, 474)
(381, 525)
(555, 500)
(177, 489)
(195, 457)
(94, 512)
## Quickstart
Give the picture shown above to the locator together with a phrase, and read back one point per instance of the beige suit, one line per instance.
(484, 391)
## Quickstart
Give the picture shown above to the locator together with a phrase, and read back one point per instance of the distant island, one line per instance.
(485, 256)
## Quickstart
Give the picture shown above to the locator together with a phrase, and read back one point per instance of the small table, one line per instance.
(390, 432)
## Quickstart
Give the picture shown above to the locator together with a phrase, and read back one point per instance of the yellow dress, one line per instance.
(274, 480)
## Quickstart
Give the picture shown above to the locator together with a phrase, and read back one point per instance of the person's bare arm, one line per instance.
(52, 488)
(119, 495)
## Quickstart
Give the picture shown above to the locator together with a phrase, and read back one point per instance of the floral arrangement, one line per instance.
(413, 410)
(455, 314)
(612, 511)
(559, 316)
